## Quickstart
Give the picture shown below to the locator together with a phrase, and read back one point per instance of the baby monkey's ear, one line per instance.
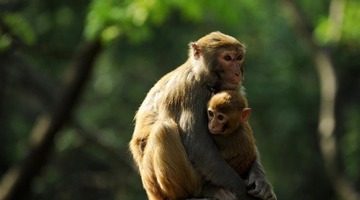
(245, 114)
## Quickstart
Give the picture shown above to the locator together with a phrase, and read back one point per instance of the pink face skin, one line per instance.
(230, 62)
(217, 121)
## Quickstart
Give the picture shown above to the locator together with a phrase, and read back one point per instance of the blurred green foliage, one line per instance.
(144, 39)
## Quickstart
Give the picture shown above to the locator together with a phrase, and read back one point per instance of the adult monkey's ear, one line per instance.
(195, 50)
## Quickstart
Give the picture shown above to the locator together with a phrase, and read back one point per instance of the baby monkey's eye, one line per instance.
(210, 113)
(220, 117)
(227, 57)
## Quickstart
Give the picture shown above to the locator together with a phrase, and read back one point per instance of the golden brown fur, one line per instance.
(171, 144)
(237, 145)
(238, 149)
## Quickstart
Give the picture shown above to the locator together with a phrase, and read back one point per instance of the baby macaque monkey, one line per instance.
(228, 115)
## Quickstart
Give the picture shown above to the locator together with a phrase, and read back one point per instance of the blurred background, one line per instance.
(73, 73)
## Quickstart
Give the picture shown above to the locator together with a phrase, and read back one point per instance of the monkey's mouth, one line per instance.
(231, 85)
(224, 129)
(221, 131)
(216, 132)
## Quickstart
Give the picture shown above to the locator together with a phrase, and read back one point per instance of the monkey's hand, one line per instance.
(212, 192)
(256, 183)
(223, 194)
(259, 187)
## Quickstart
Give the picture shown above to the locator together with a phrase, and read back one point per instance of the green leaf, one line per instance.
(20, 27)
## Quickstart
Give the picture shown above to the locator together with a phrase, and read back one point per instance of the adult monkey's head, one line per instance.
(223, 56)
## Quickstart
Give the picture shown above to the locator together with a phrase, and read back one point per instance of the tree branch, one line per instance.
(328, 88)
(17, 180)
(43, 89)
(115, 154)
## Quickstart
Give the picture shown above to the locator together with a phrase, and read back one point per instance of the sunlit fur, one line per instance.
(171, 144)
(237, 144)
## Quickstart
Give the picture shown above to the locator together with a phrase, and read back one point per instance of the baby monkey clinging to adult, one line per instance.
(228, 115)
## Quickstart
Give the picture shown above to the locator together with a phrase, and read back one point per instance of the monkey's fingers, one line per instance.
(258, 189)
(272, 196)
(256, 193)
(262, 192)
(223, 194)
(251, 180)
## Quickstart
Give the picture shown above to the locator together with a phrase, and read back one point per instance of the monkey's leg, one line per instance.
(172, 171)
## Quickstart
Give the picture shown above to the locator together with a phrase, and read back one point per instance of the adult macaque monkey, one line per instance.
(228, 115)
(171, 144)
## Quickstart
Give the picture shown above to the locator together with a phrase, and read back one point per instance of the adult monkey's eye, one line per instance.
(240, 57)
(227, 57)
